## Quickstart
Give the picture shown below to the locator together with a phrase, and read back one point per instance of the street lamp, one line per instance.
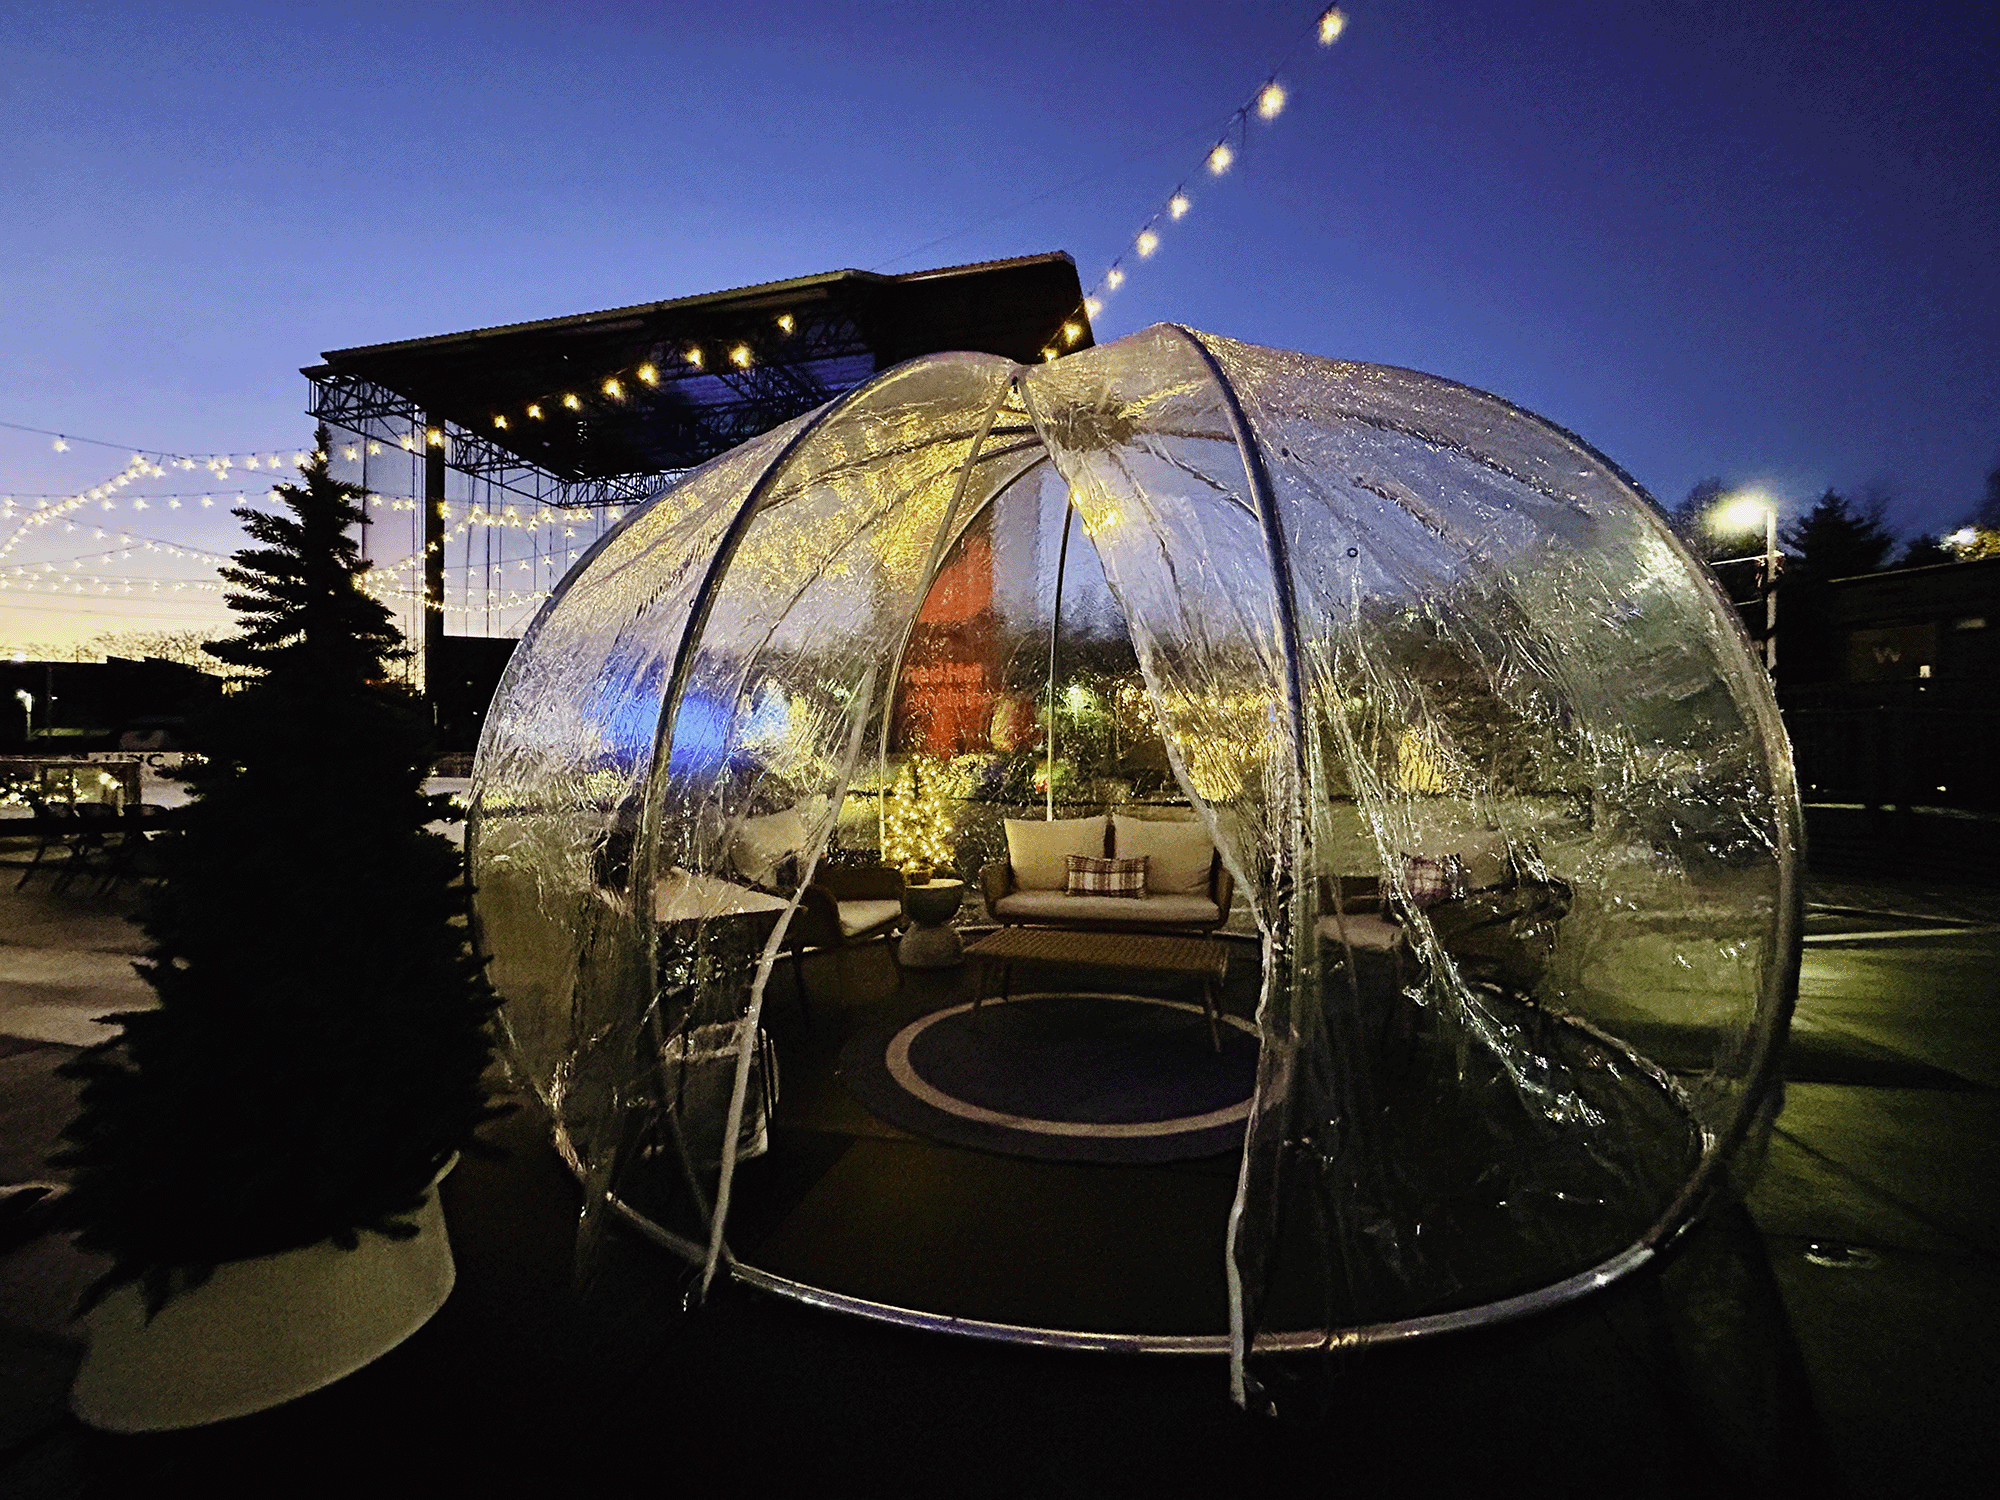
(1739, 513)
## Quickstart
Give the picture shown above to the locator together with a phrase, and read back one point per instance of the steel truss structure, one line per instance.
(602, 408)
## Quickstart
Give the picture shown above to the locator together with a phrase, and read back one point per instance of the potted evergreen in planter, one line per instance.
(317, 1055)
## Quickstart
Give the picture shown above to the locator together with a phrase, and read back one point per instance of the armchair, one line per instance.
(844, 908)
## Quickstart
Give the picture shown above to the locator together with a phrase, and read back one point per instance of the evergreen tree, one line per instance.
(1836, 539)
(1925, 552)
(322, 1027)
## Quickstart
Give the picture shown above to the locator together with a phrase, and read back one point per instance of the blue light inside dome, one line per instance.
(701, 738)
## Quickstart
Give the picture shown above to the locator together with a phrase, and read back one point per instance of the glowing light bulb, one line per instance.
(1178, 205)
(572, 403)
(1220, 158)
(1114, 278)
(1270, 101)
(1072, 332)
(350, 452)
(535, 412)
(500, 422)
(1147, 242)
(785, 322)
(649, 374)
(434, 437)
(409, 443)
(694, 357)
(1048, 356)
(613, 389)
(1332, 22)
(740, 356)
(1092, 307)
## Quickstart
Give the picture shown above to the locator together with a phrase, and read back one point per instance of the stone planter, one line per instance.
(260, 1332)
(931, 943)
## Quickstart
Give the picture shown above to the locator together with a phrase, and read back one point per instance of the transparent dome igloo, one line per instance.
(1389, 638)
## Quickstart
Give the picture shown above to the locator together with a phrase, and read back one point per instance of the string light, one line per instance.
(1267, 103)
(614, 390)
(784, 322)
(61, 445)
(740, 356)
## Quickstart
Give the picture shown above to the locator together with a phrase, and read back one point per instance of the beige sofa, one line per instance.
(1187, 887)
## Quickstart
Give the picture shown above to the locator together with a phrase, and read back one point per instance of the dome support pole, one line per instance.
(1055, 626)
(747, 1043)
(1288, 928)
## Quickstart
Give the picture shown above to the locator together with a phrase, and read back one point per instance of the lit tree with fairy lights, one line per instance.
(916, 818)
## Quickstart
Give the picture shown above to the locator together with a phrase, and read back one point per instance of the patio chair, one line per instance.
(54, 824)
(94, 839)
(845, 908)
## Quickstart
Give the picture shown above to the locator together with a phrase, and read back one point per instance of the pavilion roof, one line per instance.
(765, 354)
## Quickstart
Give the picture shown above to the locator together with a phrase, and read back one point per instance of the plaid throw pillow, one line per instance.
(1106, 877)
(1427, 880)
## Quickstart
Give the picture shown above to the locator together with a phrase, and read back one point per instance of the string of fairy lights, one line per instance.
(396, 581)
(26, 517)
(1265, 104)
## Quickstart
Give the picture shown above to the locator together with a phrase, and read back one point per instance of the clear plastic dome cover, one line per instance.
(1391, 638)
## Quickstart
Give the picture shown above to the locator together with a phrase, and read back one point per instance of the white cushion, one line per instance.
(1178, 855)
(761, 844)
(1105, 911)
(859, 916)
(1039, 852)
(1370, 933)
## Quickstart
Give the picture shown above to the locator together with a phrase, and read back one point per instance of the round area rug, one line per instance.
(1062, 1077)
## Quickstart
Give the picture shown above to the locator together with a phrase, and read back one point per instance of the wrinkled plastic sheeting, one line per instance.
(1402, 618)
(1386, 623)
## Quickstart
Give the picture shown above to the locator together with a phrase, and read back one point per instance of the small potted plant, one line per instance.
(258, 1155)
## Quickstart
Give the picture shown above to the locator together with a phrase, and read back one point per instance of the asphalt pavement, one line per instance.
(1842, 1345)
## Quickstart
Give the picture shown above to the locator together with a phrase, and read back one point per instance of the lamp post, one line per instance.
(1741, 513)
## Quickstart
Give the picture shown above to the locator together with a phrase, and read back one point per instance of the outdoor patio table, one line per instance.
(1158, 954)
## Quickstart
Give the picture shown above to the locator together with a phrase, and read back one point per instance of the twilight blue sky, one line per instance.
(1758, 239)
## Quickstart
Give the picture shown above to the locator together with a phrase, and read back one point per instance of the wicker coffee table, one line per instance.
(1164, 954)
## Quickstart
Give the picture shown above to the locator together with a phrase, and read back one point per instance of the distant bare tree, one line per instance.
(1691, 520)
